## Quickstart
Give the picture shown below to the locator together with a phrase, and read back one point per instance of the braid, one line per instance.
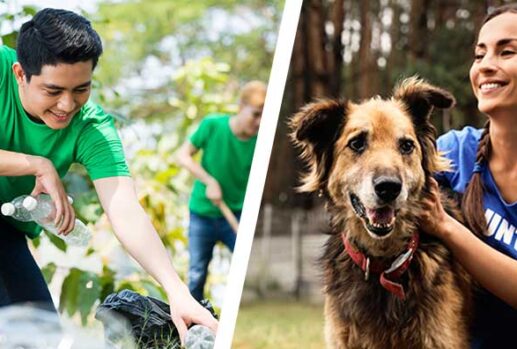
(472, 203)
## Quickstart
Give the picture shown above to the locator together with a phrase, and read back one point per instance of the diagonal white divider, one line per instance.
(266, 135)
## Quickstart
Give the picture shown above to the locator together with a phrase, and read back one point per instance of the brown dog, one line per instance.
(387, 285)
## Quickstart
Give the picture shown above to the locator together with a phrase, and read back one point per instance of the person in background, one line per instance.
(227, 143)
(48, 123)
(485, 172)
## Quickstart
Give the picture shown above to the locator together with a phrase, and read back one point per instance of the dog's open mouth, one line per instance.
(378, 221)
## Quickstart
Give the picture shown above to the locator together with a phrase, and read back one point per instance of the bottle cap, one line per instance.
(8, 209)
(30, 203)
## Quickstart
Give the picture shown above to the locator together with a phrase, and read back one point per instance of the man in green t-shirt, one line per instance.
(228, 144)
(48, 123)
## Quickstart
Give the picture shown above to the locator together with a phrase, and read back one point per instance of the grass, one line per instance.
(279, 324)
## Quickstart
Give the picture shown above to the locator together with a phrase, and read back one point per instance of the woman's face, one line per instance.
(493, 74)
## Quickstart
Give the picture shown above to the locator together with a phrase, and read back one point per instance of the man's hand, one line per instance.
(214, 192)
(48, 181)
(132, 227)
(186, 311)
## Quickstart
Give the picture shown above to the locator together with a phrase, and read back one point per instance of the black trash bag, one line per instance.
(148, 317)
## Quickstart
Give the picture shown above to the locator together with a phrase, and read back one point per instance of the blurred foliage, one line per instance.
(162, 71)
(9, 18)
(143, 48)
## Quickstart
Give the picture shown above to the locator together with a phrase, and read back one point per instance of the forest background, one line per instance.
(359, 49)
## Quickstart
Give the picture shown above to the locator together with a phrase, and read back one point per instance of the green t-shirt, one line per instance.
(90, 139)
(226, 158)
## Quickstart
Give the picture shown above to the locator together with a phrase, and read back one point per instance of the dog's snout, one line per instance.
(387, 188)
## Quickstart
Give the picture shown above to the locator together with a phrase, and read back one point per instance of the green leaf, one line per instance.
(107, 282)
(49, 271)
(154, 290)
(69, 290)
(90, 251)
(10, 39)
(80, 291)
(36, 241)
(126, 285)
(88, 293)
(29, 10)
(60, 244)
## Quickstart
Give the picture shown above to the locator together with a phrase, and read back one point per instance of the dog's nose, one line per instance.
(387, 188)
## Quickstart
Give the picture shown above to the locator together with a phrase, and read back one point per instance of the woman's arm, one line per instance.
(494, 270)
(138, 236)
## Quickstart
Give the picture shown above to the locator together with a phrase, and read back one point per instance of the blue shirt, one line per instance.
(495, 321)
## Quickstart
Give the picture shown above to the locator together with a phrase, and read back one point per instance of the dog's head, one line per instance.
(373, 159)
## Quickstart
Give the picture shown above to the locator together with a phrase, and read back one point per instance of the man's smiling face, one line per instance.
(57, 94)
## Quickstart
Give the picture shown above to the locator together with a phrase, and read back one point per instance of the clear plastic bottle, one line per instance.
(43, 212)
(16, 210)
(199, 337)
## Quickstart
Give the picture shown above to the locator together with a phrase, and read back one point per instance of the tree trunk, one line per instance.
(418, 33)
(335, 52)
(366, 68)
(314, 30)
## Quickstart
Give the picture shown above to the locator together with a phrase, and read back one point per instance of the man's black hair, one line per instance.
(56, 36)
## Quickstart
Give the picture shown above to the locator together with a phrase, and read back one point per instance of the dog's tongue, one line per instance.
(383, 215)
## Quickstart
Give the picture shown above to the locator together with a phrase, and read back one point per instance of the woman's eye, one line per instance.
(357, 144)
(406, 146)
(507, 53)
(478, 56)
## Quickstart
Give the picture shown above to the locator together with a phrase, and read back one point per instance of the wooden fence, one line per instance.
(285, 252)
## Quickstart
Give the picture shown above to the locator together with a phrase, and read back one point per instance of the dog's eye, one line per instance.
(357, 144)
(406, 146)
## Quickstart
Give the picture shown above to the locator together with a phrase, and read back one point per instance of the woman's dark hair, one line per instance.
(56, 36)
(472, 202)
(512, 8)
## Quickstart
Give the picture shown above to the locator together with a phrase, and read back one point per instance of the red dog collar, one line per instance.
(388, 276)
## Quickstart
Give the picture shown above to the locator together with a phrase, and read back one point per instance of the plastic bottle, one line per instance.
(43, 212)
(16, 210)
(199, 337)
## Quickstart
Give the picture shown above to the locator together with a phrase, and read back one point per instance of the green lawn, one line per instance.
(279, 325)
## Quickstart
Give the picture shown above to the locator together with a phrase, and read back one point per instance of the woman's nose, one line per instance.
(488, 63)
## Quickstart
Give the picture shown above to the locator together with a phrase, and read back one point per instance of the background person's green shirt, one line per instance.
(226, 158)
(90, 139)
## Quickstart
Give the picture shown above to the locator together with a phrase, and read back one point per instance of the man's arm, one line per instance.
(47, 181)
(185, 159)
(138, 236)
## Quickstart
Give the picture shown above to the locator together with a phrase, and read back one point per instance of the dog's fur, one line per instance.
(349, 148)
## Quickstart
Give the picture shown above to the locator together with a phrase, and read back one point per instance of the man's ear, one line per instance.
(315, 129)
(19, 74)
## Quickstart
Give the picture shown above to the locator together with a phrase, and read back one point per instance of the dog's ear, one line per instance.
(420, 97)
(315, 129)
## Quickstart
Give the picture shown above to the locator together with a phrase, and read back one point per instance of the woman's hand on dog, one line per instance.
(434, 219)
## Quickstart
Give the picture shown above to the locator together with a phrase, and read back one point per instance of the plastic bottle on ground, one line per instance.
(43, 212)
(16, 210)
(199, 337)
